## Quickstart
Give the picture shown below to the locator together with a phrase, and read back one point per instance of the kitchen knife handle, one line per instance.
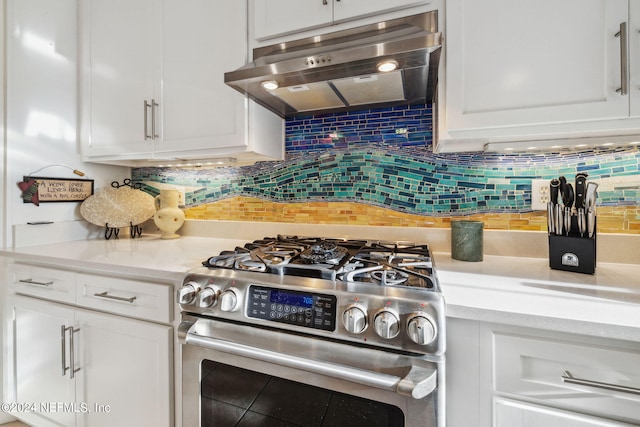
(581, 188)
(554, 190)
(624, 77)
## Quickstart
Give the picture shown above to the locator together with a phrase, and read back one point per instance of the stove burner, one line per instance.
(249, 264)
(389, 277)
(360, 261)
(324, 252)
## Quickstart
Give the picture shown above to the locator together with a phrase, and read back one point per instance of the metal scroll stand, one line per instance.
(134, 230)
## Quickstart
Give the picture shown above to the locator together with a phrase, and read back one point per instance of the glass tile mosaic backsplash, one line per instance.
(376, 167)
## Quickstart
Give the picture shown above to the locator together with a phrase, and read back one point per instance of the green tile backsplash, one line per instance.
(383, 158)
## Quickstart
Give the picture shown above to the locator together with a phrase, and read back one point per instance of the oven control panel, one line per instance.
(310, 310)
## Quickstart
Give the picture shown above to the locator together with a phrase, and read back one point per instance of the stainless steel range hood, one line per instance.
(340, 71)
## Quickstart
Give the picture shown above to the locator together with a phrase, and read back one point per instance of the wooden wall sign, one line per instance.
(60, 189)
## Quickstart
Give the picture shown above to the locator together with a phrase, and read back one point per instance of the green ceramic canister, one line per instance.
(466, 240)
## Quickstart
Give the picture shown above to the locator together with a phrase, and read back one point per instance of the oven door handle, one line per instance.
(418, 383)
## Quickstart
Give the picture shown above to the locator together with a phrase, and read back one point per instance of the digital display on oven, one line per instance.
(310, 310)
(289, 298)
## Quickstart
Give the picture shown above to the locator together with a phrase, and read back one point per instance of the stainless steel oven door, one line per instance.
(268, 373)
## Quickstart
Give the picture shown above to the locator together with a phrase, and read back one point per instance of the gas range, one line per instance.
(373, 293)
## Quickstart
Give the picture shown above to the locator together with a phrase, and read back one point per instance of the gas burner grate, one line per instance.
(361, 261)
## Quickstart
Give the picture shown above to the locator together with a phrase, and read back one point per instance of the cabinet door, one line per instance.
(347, 9)
(511, 63)
(120, 61)
(277, 17)
(201, 41)
(126, 371)
(38, 376)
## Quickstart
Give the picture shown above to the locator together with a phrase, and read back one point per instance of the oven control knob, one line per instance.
(386, 323)
(187, 293)
(421, 329)
(208, 296)
(354, 319)
(229, 299)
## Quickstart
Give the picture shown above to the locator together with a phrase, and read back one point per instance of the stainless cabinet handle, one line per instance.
(63, 338)
(624, 60)
(72, 352)
(106, 295)
(33, 282)
(146, 131)
(570, 379)
(154, 104)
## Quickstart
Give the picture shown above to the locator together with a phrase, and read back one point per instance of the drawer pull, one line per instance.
(568, 378)
(106, 295)
(33, 282)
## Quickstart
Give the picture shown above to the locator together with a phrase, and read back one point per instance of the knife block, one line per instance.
(569, 253)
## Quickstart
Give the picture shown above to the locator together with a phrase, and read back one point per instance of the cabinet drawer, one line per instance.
(598, 380)
(132, 298)
(509, 413)
(49, 283)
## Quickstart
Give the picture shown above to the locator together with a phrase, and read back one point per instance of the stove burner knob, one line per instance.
(229, 300)
(420, 329)
(354, 319)
(386, 323)
(208, 297)
(187, 293)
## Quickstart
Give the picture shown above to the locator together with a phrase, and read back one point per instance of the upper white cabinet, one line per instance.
(153, 84)
(277, 17)
(517, 70)
(120, 75)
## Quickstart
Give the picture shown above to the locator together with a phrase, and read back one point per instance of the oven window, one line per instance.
(232, 396)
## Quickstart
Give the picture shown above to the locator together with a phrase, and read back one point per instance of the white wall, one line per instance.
(42, 108)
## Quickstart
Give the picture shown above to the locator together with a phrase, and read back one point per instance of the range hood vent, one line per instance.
(340, 71)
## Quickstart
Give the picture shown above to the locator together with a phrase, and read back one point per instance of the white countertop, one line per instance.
(526, 292)
(513, 290)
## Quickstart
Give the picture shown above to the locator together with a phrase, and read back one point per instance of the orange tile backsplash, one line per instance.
(611, 219)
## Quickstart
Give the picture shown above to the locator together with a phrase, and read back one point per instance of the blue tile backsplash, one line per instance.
(383, 157)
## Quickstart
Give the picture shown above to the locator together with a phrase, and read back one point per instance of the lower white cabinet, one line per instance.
(84, 368)
(88, 360)
(510, 376)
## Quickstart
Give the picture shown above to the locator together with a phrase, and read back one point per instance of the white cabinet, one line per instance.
(38, 358)
(278, 17)
(509, 376)
(598, 378)
(80, 367)
(516, 70)
(153, 84)
(121, 63)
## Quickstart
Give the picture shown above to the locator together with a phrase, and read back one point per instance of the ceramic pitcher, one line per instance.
(168, 217)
